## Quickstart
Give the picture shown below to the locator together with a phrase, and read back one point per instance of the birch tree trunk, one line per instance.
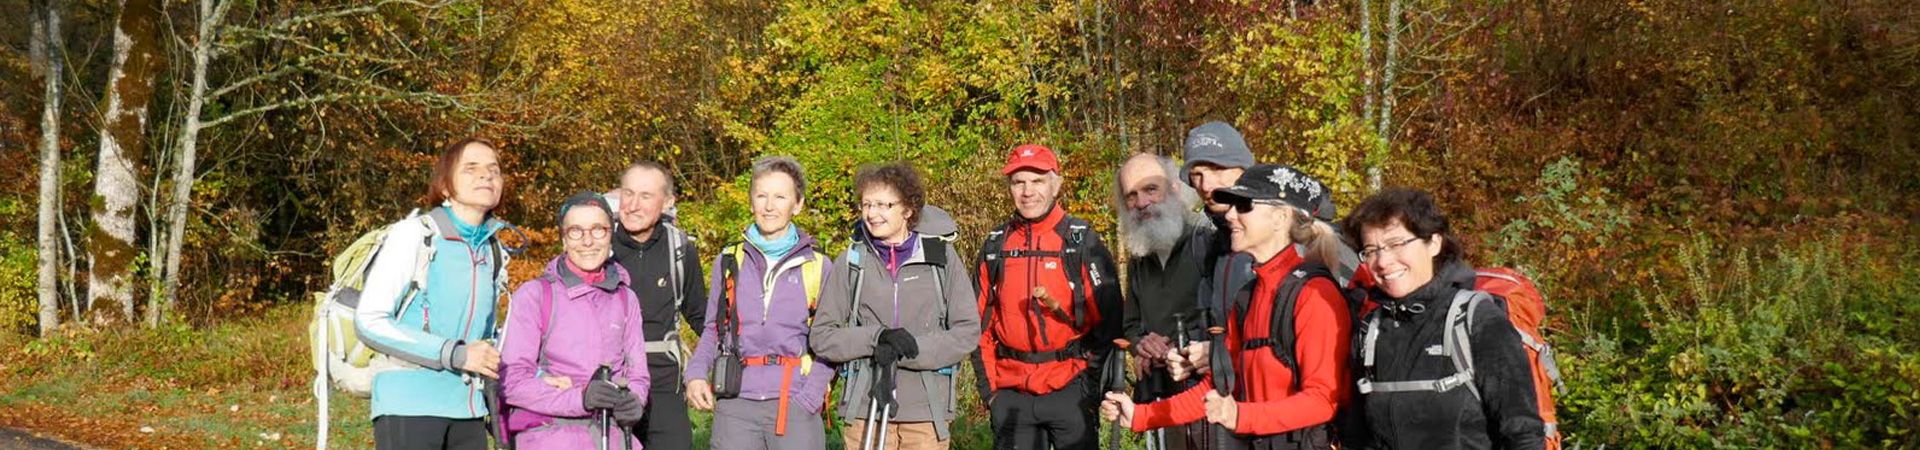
(183, 175)
(47, 15)
(1374, 174)
(123, 145)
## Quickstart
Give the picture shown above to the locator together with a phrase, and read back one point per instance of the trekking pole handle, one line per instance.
(1116, 373)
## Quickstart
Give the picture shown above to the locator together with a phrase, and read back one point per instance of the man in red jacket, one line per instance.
(1050, 305)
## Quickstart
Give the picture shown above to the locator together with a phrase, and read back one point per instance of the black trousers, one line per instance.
(428, 433)
(1062, 420)
(666, 426)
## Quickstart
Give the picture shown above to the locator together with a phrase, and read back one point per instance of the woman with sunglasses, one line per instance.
(562, 328)
(1411, 396)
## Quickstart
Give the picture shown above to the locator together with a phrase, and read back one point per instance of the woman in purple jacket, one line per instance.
(577, 317)
(763, 292)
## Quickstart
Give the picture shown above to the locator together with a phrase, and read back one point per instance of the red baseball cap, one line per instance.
(1031, 156)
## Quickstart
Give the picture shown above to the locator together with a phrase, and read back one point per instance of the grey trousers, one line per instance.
(742, 424)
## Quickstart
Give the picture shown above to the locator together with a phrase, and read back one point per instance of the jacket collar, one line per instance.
(557, 267)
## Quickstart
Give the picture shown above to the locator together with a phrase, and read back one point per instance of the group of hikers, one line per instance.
(1249, 317)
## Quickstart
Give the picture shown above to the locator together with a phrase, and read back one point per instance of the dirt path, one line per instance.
(16, 439)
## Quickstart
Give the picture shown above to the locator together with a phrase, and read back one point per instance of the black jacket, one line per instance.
(648, 264)
(1506, 417)
(1156, 292)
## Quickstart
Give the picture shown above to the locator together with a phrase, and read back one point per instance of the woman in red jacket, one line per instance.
(1285, 388)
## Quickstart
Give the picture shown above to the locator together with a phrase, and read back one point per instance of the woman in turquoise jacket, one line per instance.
(431, 317)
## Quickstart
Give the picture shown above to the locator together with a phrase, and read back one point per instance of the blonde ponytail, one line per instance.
(1322, 244)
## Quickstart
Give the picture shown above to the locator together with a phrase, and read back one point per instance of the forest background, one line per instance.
(1718, 197)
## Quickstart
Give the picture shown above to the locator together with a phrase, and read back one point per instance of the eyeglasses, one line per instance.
(1247, 207)
(878, 206)
(598, 232)
(1369, 253)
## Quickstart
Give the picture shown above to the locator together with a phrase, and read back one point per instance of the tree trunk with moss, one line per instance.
(123, 145)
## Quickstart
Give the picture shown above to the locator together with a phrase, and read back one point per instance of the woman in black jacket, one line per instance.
(1412, 394)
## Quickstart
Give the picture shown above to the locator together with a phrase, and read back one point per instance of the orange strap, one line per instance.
(786, 384)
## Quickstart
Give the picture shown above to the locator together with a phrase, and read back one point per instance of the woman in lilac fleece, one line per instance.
(782, 388)
(561, 328)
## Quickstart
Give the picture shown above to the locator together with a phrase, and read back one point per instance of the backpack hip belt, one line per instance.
(1073, 350)
(804, 362)
(671, 347)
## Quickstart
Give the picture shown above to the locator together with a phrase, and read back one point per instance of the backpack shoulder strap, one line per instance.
(1073, 253)
(422, 261)
(993, 254)
(1286, 302)
(852, 260)
(546, 314)
(1457, 341)
(677, 246)
(729, 321)
(936, 254)
(811, 272)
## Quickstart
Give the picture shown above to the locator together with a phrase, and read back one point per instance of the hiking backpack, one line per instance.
(1525, 307)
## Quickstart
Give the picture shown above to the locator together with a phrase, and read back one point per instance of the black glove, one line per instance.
(884, 354)
(901, 341)
(603, 395)
(629, 412)
(883, 385)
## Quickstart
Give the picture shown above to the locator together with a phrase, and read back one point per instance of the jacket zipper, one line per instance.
(473, 276)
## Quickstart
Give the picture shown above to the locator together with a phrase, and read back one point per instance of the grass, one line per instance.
(240, 384)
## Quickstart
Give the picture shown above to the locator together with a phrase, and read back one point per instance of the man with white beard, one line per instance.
(1165, 237)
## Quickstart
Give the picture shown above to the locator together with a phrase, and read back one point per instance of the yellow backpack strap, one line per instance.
(810, 274)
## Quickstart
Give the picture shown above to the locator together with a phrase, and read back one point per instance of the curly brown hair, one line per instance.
(1412, 208)
(900, 177)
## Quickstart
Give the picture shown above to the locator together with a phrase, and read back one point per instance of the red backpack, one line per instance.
(1526, 308)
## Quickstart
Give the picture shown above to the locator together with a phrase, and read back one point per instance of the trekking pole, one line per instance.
(886, 412)
(1116, 382)
(1181, 339)
(1223, 382)
(866, 434)
(601, 416)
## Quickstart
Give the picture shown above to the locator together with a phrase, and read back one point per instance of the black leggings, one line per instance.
(428, 433)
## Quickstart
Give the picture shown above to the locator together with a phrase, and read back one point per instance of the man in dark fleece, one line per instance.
(664, 266)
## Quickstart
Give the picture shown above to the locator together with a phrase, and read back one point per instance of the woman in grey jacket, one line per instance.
(898, 315)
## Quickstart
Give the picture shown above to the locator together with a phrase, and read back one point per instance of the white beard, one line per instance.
(1155, 235)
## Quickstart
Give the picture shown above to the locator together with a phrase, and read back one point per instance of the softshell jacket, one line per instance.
(1506, 417)
(586, 326)
(915, 300)
(1268, 402)
(773, 322)
(456, 306)
(1018, 322)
